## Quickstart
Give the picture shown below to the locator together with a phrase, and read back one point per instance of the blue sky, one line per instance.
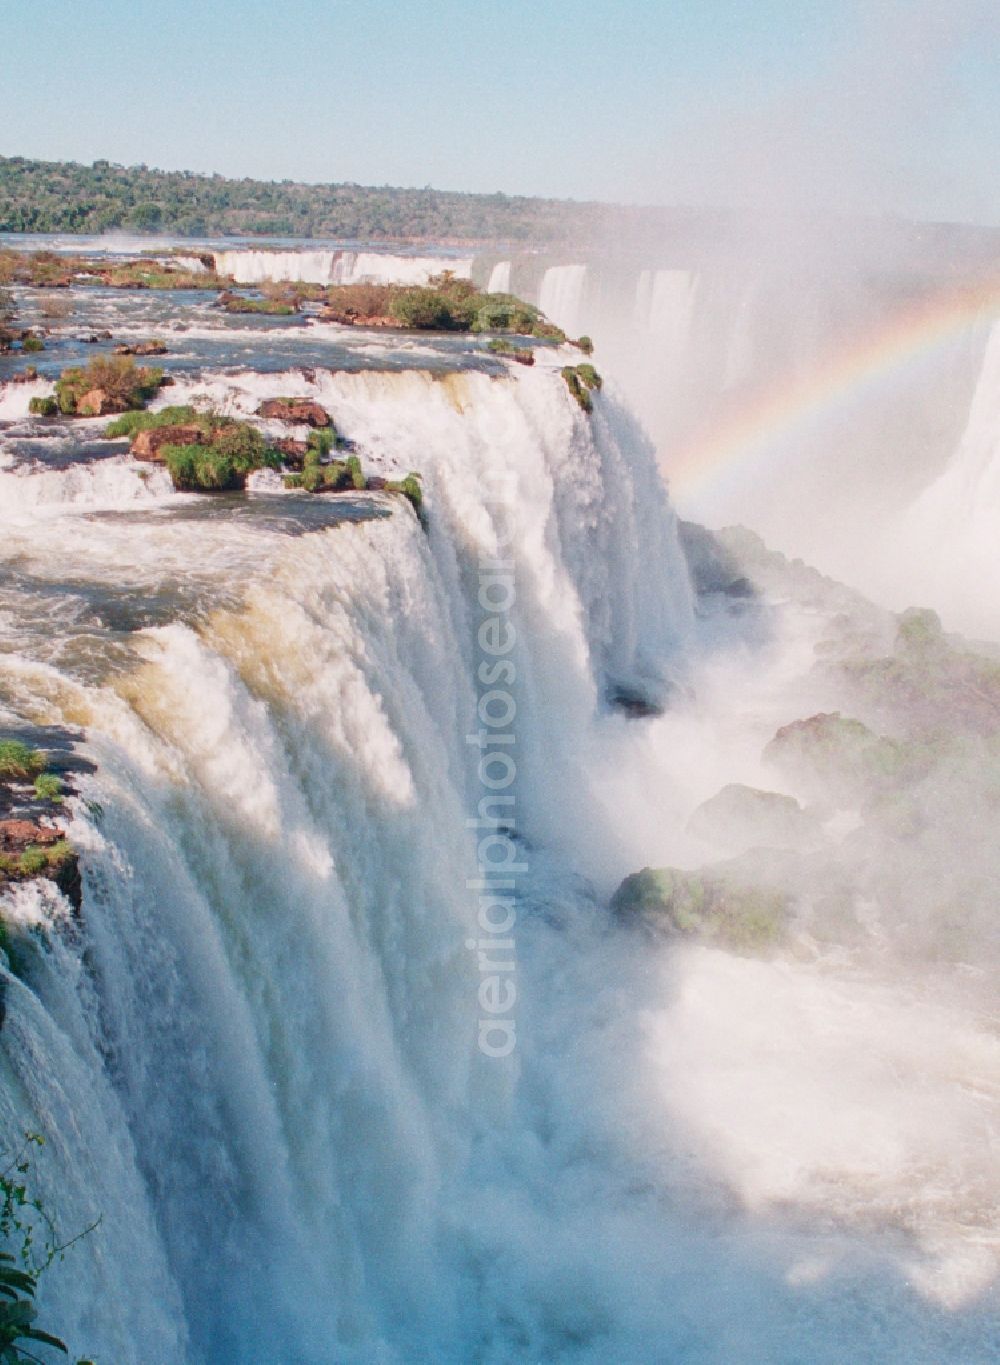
(887, 106)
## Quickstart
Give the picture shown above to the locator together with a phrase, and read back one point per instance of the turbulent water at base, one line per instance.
(254, 1054)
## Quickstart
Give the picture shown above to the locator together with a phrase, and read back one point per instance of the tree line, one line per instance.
(64, 196)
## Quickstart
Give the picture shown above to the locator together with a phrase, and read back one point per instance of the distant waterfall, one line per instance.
(561, 296)
(499, 282)
(335, 267)
(949, 537)
(664, 309)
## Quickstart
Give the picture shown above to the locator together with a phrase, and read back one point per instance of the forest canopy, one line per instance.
(64, 196)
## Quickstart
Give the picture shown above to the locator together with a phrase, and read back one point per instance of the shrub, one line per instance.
(195, 469)
(152, 275)
(577, 388)
(58, 853)
(129, 423)
(43, 407)
(19, 760)
(48, 787)
(236, 449)
(504, 313)
(524, 355)
(245, 446)
(585, 345)
(319, 444)
(294, 292)
(33, 860)
(424, 309)
(580, 379)
(353, 469)
(125, 384)
(410, 489)
(32, 343)
(348, 302)
(269, 307)
(548, 331)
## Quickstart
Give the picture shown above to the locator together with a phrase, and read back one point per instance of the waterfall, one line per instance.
(255, 1055)
(335, 267)
(665, 303)
(256, 1051)
(946, 541)
(15, 399)
(499, 282)
(561, 296)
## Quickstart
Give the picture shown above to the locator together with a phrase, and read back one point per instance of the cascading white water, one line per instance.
(664, 304)
(276, 902)
(335, 267)
(560, 297)
(15, 399)
(256, 1056)
(946, 542)
(499, 281)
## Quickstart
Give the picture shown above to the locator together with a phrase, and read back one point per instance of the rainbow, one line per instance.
(740, 440)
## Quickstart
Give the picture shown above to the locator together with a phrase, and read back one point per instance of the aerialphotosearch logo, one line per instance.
(496, 740)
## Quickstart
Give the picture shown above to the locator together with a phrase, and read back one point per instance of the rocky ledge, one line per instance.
(32, 844)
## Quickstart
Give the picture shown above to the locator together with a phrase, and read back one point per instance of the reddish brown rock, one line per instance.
(142, 348)
(146, 445)
(94, 404)
(293, 451)
(16, 835)
(346, 318)
(296, 410)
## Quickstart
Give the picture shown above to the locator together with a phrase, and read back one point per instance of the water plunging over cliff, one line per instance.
(335, 267)
(255, 1053)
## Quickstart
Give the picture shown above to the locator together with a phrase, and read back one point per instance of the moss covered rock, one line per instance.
(708, 905)
(839, 758)
(744, 817)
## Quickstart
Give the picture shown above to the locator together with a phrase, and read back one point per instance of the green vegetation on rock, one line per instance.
(48, 787)
(129, 423)
(708, 905)
(410, 489)
(27, 848)
(524, 355)
(106, 384)
(274, 308)
(445, 304)
(43, 407)
(18, 760)
(233, 453)
(580, 380)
